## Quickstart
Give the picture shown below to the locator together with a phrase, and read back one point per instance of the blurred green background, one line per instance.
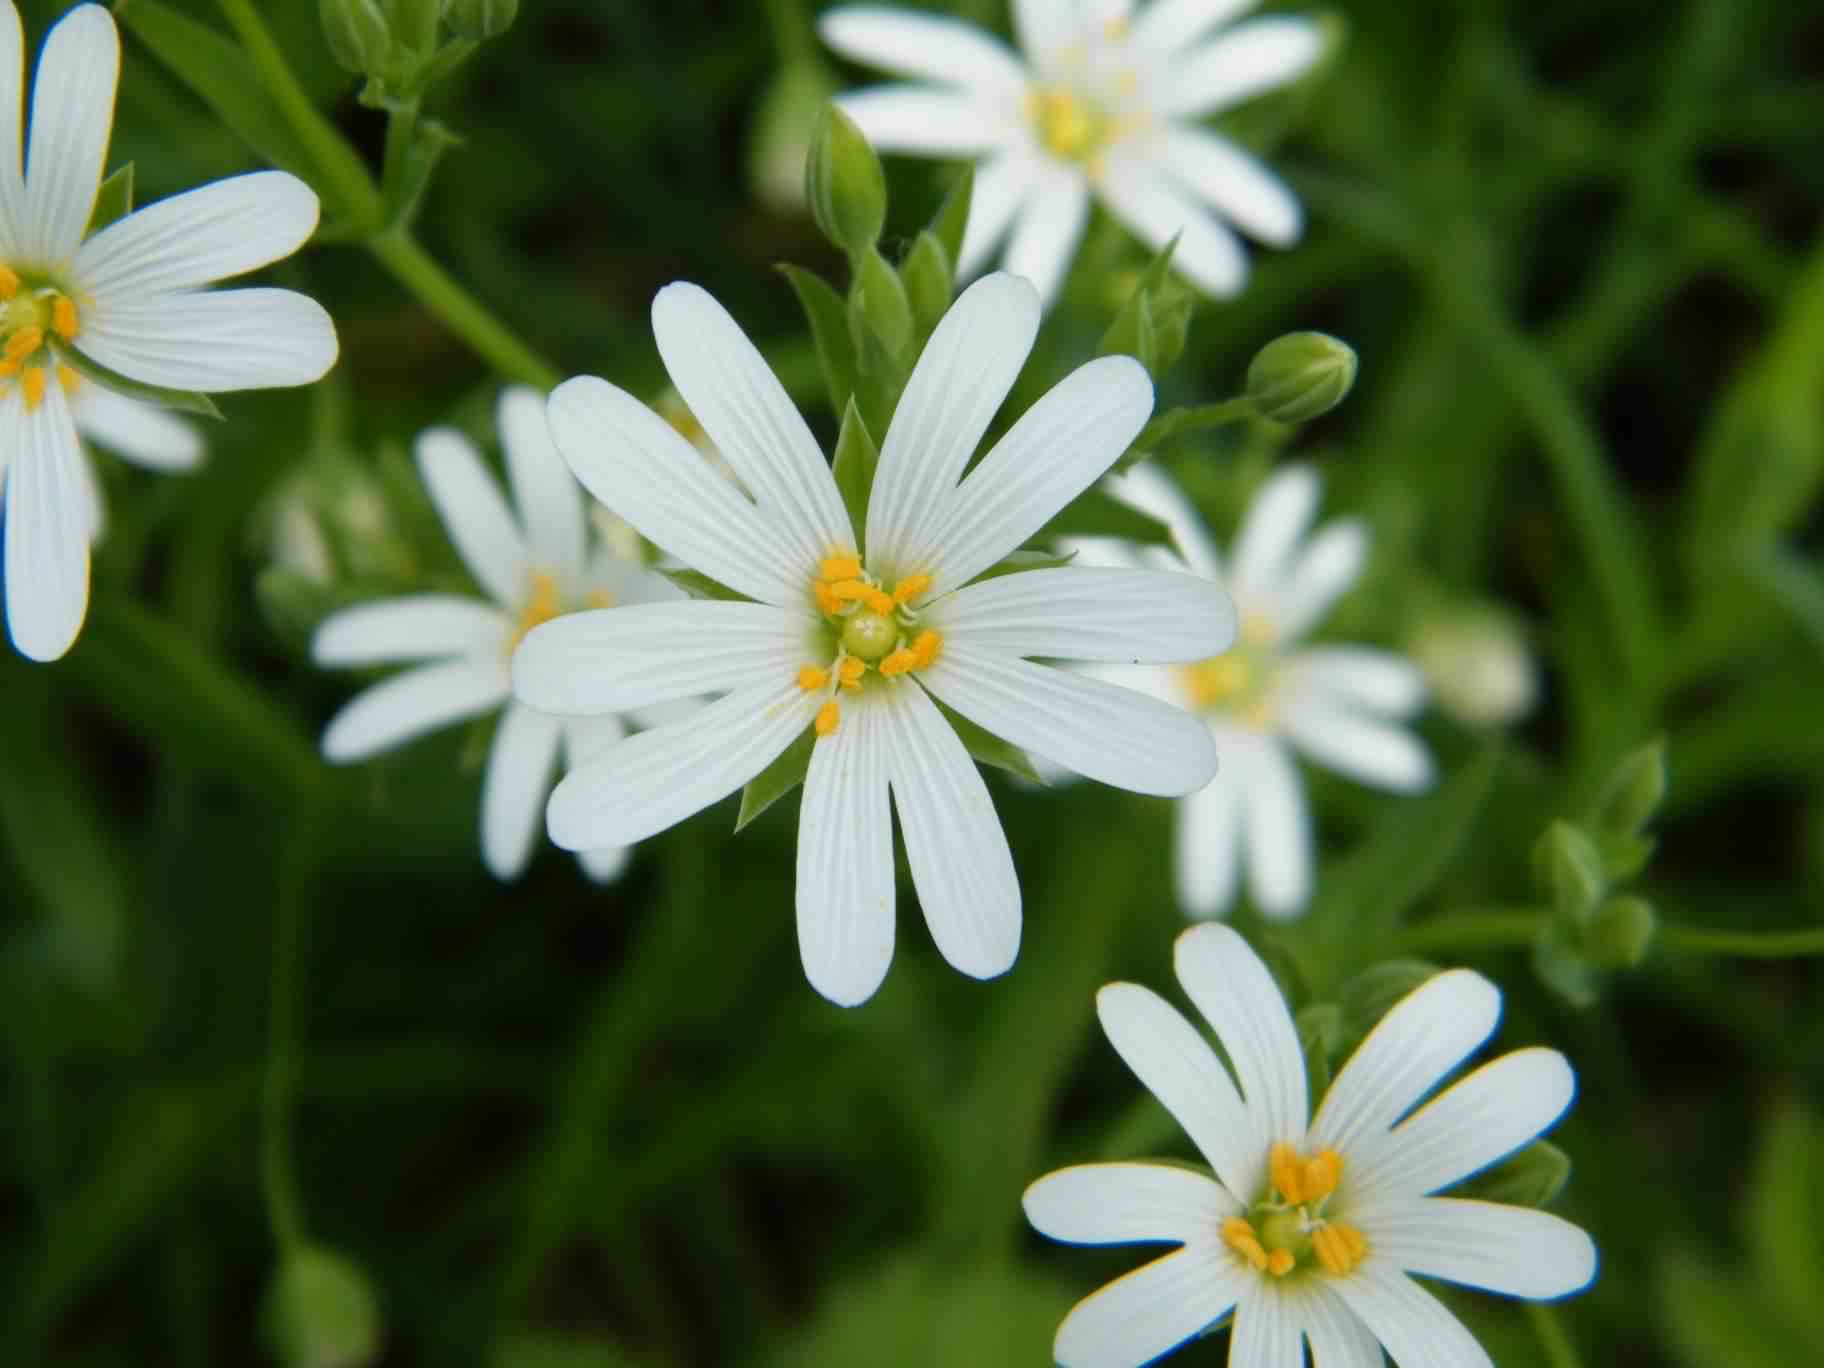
(1576, 246)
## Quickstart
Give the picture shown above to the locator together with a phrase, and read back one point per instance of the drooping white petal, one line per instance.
(1101, 1204)
(1337, 1337)
(475, 514)
(1375, 681)
(1150, 490)
(48, 522)
(1002, 184)
(513, 789)
(1176, 1065)
(94, 505)
(1237, 65)
(412, 704)
(960, 863)
(1156, 210)
(416, 627)
(1049, 226)
(1321, 574)
(1083, 613)
(1276, 825)
(136, 431)
(213, 340)
(1152, 1310)
(585, 739)
(1046, 29)
(636, 463)
(616, 659)
(1058, 448)
(1364, 748)
(1427, 1034)
(1101, 731)
(550, 503)
(1266, 1335)
(1474, 1123)
(1270, 534)
(605, 865)
(1512, 1250)
(1416, 1328)
(655, 780)
(12, 132)
(1227, 982)
(1166, 27)
(958, 385)
(72, 116)
(223, 229)
(1207, 843)
(753, 422)
(935, 47)
(1234, 183)
(845, 859)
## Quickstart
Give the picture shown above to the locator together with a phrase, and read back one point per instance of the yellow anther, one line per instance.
(880, 602)
(598, 598)
(811, 679)
(925, 649)
(1256, 632)
(1218, 681)
(68, 378)
(32, 382)
(1288, 1173)
(1280, 1262)
(1115, 29)
(9, 281)
(1322, 1174)
(1239, 1236)
(900, 662)
(1259, 715)
(8, 369)
(63, 317)
(910, 588)
(23, 343)
(827, 602)
(852, 590)
(541, 607)
(850, 672)
(1339, 1248)
(840, 568)
(829, 717)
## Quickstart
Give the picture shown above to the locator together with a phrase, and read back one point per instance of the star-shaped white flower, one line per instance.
(861, 637)
(130, 298)
(534, 567)
(1310, 1226)
(1103, 101)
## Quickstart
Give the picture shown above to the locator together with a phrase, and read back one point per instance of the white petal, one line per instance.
(1001, 187)
(214, 340)
(1104, 732)
(550, 503)
(136, 431)
(1207, 845)
(1081, 613)
(72, 116)
(1045, 29)
(1102, 1204)
(1375, 681)
(1278, 829)
(928, 121)
(1168, 26)
(1153, 492)
(1364, 748)
(960, 863)
(655, 780)
(409, 705)
(928, 45)
(586, 739)
(1157, 211)
(1326, 570)
(1265, 1334)
(94, 504)
(1049, 226)
(48, 521)
(476, 516)
(225, 229)
(1152, 1310)
(1510, 1250)
(1337, 1337)
(514, 787)
(1176, 1065)
(1232, 182)
(1275, 523)
(1058, 448)
(616, 659)
(1472, 1124)
(959, 384)
(1227, 982)
(12, 132)
(1428, 1033)
(606, 865)
(416, 627)
(637, 464)
(845, 859)
(1416, 1328)
(1246, 61)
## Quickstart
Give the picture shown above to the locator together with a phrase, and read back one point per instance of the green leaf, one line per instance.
(1021, 561)
(1786, 1215)
(1563, 970)
(879, 305)
(777, 779)
(927, 278)
(1096, 514)
(1131, 334)
(701, 586)
(953, 216)
(1320, 1036)
(184, 401)
(114, 201)
(1716, 1318)
(829, 319)
(881, 381)
(856, 460)
(989, 749)
(1371, 994)
(1532, 1177)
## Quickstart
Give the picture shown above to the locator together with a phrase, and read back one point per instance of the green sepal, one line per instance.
(1096, 514)
(777, 779)
(880, 382)
(989, 749)
(879, 305)
(953, 216)
(1562, 969)
(1570, 869)
(929, 284)
(1320, 1036)
(1365, 999)
(1532, 1177)
(828, 316)
(701, 586)
(856, 460)
(1022, 561)
(114, 201)
(430, 140)
(1132, 333)
(184, 401)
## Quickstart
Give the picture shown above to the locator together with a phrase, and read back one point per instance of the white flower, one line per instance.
(1309, 1229)
(130, 298)
(533, 567)
(1339, 705)
(1101, 101)
(1480, 669)
(861, 638)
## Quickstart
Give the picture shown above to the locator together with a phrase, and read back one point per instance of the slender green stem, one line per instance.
(1177, 422)
(1509, 929)
(459, 310)
(401, 127)
(1744, 944)
(290, 910)
(1549, 1326)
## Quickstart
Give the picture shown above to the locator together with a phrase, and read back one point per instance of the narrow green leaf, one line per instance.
(1716, 1317)
(1793, 584)
(1786, 1214)
(927, 278)
(1531, 1177)
(953, 216)
(114, 201)
(856, 460)
(879, 305)
(701, 586)
(1371, 994)
(881, 381)
(989, 749)
(1131, 333)
(829, 319)
(777, 779)
(184, 401)
(1320, 1031)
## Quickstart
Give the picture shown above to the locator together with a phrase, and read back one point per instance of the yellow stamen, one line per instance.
(840, 568)
(880, 602)
(829, 717)
(811, 679)
(1115, 29)
(1239, 1236)
(850, 672)
(1288, 1173)
(900, 662)
(9, 282)
(32, 382)
(540, 607)
(853, 590)
(910, 588)
(1218, 681)
(924, 650)
(1339, 1248)
(1322, 1174)
(1280, 1262)
(9, 369)
(23, 343)
(63, 317)
(827, 602)
(598, 598)
(68, 378)
(1256, 632)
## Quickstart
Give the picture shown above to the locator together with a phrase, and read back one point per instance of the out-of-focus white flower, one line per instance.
(857, 634)
(1308, 1230)
(1103, 101)
(1478, 665)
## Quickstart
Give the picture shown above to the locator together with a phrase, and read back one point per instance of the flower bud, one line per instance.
(1300, 376)
(481, 19)
(321, 1313)
(1478, 667)
(358, 35)
(844, 183)
(1569, 866)
(1623, 934)
(414, 25)
(1634, 791)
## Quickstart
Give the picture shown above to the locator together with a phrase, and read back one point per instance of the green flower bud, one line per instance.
(926, 275)
(414, 24)
(1634, 791)
(481, 19)
(844, 183)
(1300, 376)
(358, 35)
(1570, 868)
(1623, 934)
(320, 1312)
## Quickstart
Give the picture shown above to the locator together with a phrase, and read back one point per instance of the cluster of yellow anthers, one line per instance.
(1238, 683)
(546, 603)
(877, 628)
(1290, 1223)
(23, 320)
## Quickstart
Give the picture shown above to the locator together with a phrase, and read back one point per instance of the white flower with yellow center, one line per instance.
(1310, 1227)
(534, 567)
(129, 298)
(1103, 101)
(860, 633)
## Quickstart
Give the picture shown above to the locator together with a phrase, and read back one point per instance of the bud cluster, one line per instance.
(400, 46)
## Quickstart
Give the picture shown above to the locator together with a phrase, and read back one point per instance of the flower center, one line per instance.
(1069, 125)
(30, 312)
(1288, 1227)
(1240, 682)
(545, 603)
(870, 627)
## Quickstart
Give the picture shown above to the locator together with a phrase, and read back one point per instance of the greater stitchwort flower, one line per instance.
(127, 301)
(533, 567)
(858, 634)
(1310, 1226)
(1103, 100)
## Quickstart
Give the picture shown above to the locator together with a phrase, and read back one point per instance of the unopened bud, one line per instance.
(1478, 666)
(1301, 376)
(481, 19)
(1570, 868)
(320, 1312)
(358, 35)
(844, 183)
(414, 24)
(1623, 933)
(1634, 791)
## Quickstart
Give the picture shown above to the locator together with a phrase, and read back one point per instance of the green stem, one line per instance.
(1744, 944)
(1512, 929)
(459, 310)
(1177, 422)
(278, 1178)
(401, 126)
(1549, 1326)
